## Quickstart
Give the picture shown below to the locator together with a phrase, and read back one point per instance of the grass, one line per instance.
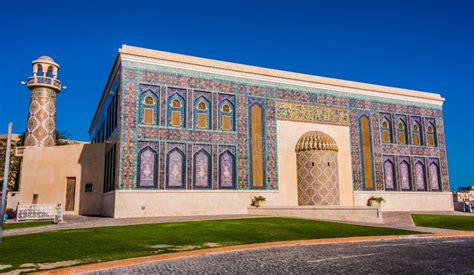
(111, 243)
(18, 225)
(465, 223)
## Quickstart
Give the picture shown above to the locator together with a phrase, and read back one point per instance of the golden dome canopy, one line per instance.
(45, 57)
(316, 140)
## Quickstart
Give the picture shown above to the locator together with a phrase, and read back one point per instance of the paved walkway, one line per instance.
(413, 256)
(400, 220)
(77, 222)
(198, 260)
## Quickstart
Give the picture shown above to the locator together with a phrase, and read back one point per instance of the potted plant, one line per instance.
(257, 200)
(375, 201)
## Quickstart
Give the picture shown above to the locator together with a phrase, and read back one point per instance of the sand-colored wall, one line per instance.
(44, 172)
(408, 201)
(150, 203)
(288, 133)
(335, 213)
(108, 204)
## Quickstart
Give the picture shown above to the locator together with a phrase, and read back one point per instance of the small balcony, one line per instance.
(44, 81)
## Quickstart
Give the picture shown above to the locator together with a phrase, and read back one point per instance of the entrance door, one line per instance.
(70, 193)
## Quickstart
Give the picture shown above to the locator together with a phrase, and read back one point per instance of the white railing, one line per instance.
(50, 211)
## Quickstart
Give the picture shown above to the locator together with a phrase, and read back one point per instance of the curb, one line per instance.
(177, 255)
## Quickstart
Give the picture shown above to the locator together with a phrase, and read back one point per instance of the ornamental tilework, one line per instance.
(355, 150)
(281, 102)
(311, 113)
(242, 142)
(377, 151)
(41, 125)
(271, 148)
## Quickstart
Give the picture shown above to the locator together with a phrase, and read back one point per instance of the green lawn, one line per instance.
(110, 243)
(18, 225)
(465, 223)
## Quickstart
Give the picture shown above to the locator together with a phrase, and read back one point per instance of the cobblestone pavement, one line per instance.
(407, 256)
(77, 221)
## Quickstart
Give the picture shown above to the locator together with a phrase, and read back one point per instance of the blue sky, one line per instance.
(422, 45)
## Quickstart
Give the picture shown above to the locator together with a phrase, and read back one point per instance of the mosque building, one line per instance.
(182, 135)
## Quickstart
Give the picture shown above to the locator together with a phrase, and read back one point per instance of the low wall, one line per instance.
(152, 203)
(108, 204)
(408, 201)
(335, 213)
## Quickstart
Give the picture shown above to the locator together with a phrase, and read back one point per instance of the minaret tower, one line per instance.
(44, 86)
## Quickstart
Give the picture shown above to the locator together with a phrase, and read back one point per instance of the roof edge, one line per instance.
(187, 59)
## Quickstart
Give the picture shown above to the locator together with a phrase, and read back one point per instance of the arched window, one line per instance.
(40, 71)
(49, 72)
(176, 111)
(149, 108)
(226, 115)
(175, 171)
(389, 174)
(366, 151)
(386, 129)
(405, 179)
(256, 136)
(202, 169)
(434, 176)
(416, 133)
(202, 113)
(430, 134)
(147, 164)
(401, 131)
(420, 176)
(226, 170)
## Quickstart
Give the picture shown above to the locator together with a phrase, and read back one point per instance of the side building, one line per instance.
(191, 136)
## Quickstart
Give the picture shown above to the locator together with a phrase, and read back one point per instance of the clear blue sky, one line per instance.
(423, 45)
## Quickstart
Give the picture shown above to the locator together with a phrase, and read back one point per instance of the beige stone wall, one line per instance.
(108, 204)
(44, 172)
(408, 201)
(288, 134)
(335, 213)
(150, 203)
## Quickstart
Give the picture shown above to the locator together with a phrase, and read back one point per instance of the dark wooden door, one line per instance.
(70, 193)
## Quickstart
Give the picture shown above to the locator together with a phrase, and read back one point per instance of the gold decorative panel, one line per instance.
(257, 145)
(226, 123)
(148, 116)
(176, 118)
(312, 113)
(386, 136)
(431, 140)
(202, 121)
(367, 153)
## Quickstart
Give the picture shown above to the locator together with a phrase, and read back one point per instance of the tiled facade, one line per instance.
(225, 158)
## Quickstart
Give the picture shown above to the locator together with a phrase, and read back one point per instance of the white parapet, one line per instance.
(334, 213)
(408, 201)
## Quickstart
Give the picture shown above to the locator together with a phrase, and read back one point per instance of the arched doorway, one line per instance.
(316, 164)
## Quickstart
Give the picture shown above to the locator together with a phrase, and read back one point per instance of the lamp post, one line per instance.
(6, 172)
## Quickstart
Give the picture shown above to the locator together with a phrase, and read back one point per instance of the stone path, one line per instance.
(406, 256)
(400, 220)
(77, 222)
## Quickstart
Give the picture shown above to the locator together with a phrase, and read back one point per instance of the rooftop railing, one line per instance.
(44, 80)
